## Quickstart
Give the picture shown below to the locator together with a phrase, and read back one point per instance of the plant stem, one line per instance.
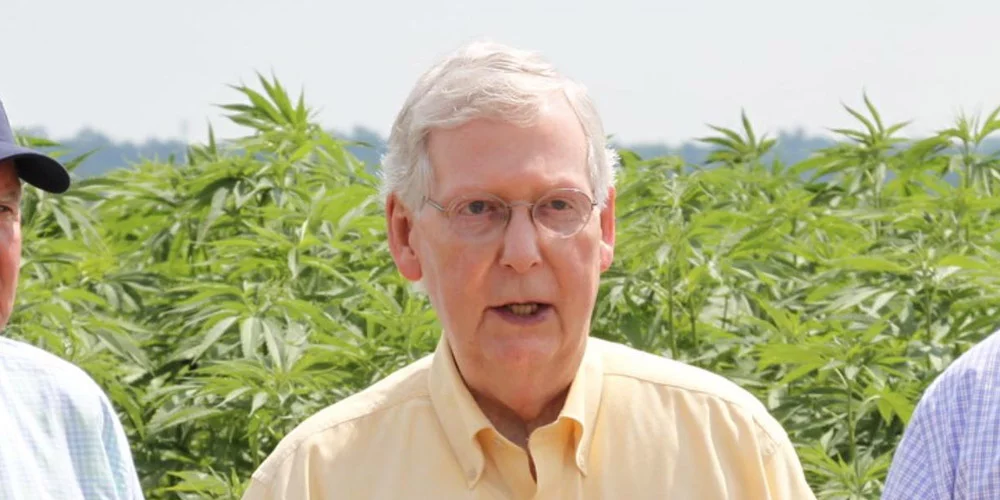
(694, 322)
(852, 436)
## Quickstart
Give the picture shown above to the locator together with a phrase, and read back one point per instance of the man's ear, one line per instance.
(400, 228)
(608, 231)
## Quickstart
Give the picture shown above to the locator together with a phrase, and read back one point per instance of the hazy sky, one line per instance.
(659, 70)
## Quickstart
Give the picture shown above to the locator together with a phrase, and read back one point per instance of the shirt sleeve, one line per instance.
(784, 475)
(119, 456)
(285, 479)
(258, 490)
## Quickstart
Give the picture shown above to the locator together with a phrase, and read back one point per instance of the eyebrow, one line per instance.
(9, 197)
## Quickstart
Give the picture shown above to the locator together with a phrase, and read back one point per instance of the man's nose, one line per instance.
(520, 241)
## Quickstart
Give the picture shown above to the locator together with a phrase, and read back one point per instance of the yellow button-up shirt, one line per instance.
(634, 426)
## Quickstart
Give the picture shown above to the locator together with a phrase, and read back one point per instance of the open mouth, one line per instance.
(520, 312)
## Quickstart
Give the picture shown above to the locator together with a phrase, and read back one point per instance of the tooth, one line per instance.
(523, 309)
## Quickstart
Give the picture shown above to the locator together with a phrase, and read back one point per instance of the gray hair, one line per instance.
(485, 80)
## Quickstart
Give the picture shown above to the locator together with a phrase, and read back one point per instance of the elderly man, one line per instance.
(59, 435)
(500, 202)
(951, 447)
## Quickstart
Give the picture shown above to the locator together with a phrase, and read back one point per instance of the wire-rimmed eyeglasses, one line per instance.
(563, 212)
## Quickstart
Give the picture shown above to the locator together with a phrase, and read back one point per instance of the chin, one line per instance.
(523, 350)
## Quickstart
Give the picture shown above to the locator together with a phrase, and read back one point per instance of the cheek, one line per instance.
(586, 251)
(10, 259)
(10, 241)
(577, 267)
(454, 272)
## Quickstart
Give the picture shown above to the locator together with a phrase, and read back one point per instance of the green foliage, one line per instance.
(222, 302)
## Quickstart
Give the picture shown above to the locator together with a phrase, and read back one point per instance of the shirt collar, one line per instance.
(583, 401)
(463, 420)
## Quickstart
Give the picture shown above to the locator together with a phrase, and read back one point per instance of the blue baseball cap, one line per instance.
(33, 167)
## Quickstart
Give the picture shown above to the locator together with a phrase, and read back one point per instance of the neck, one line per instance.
(517, 424)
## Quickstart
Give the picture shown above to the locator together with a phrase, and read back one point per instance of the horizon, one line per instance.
(797, 131)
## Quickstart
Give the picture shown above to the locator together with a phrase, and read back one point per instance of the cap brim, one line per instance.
(36, 169)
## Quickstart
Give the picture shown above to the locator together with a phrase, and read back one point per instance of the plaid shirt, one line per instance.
(59, 436)
(951, 447)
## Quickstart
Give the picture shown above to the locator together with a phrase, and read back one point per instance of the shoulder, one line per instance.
(337, 426)
(672, 375)
(981, 363)
(28, 359)
(700, 386)
(967, 381)
(50, 380)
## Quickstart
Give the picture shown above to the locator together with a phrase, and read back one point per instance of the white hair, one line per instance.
(485, 80)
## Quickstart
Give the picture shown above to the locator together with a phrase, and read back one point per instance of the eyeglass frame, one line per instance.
(509, 208)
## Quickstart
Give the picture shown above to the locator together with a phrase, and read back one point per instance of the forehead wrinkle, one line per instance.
(10, 189)
(10, 183)
(10, 194)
